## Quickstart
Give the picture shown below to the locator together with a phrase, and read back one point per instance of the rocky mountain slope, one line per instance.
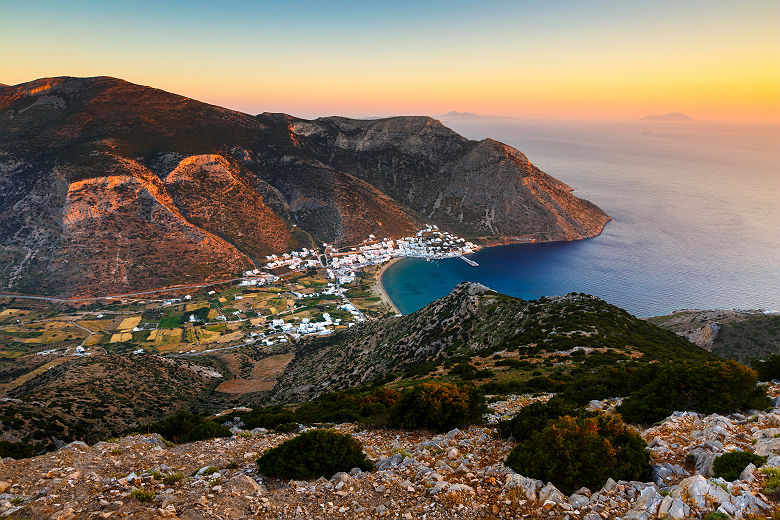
(733, 334)
(472, 321)
(107, 186)
(418, 474)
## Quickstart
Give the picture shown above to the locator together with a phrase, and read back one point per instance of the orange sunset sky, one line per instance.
(712, 60)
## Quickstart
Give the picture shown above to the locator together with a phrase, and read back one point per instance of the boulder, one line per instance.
(673, 508)
(700, 491)
(645, 506)
(529, 486)
(243, 485)
(578, 501)
(703, 460)
(665, 471)
(552, 494)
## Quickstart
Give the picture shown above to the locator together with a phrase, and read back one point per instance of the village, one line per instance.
(293, 295)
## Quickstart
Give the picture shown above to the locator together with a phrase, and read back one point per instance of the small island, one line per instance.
(672, 116)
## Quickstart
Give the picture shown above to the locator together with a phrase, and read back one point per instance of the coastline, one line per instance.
(381, 288)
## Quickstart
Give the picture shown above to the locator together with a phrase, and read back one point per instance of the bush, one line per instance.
(533, 418)
(184, 426)
(717, 515)
(772, 482)
(316, 453)
(730, 465)
(207, 430)
(716, 387)
(572, 452)
(768, 368)
(142, 495)
(437, 406)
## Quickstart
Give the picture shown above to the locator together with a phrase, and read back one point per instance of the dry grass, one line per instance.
(129, 323)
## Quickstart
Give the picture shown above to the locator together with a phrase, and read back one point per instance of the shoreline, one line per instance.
(380, 288)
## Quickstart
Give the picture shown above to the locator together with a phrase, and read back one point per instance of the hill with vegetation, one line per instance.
(731, 334)
(475, 333)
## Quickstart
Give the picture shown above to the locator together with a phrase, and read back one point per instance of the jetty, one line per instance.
(469, 261)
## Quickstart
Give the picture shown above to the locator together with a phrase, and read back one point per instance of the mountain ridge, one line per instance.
(89, 206)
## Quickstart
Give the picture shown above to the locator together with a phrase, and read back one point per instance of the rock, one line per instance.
(703, 460)
(529, 486)
(746, 504)
(4, 485)
(551, 493)
(340, 477)
(438, 488)
(608, 486)
(700, 491)
(453, 453)
(772, 462)
(665, 471)
(460, 488)
(243, 485)
(747, 473)
(167, 512)
(390, 462)
(645, 506)
(578, 501)
(766, 444)
(673, 508)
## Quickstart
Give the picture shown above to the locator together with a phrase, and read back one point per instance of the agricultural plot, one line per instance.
(96, 325)
(120, 337)
(129, 323)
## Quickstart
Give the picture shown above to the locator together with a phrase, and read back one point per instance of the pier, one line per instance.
(472, 263)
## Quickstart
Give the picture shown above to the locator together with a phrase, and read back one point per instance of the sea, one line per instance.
(695, 209)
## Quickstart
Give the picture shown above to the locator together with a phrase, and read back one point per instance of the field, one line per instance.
(264, 375)
(129, 323)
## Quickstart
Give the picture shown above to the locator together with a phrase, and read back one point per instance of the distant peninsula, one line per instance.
(672, 116)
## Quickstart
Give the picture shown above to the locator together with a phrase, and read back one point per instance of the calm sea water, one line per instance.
(695, 208)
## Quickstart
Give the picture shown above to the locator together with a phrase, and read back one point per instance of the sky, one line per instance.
(596, 59)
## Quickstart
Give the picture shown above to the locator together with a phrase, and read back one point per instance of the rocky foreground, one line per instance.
(419, 475)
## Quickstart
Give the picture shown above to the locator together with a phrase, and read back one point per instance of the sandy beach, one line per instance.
(381, 289)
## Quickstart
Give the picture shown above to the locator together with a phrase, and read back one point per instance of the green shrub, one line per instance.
(316, 453)
(716, 387)
(717, 515)
(173, 478)
(207, 430)
(437, 406)
(730, 465)
(768, 368)
(533, 418)
(572, 452)
(772, 482)
(142, 495)
(184, 426)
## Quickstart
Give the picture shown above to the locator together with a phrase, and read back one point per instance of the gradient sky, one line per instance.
(714, 60)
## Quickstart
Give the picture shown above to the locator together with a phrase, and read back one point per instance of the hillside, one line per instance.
(109, 187)
(533, 337)
(92, 398)
(732, 334)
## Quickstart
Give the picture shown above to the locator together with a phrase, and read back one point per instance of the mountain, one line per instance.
(672, 116)
(109, 187)
(476, 322)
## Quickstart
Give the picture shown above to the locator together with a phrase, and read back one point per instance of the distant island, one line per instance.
(672, 116)
(470, 115)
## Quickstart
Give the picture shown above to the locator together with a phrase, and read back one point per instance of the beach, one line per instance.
(381, 289)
